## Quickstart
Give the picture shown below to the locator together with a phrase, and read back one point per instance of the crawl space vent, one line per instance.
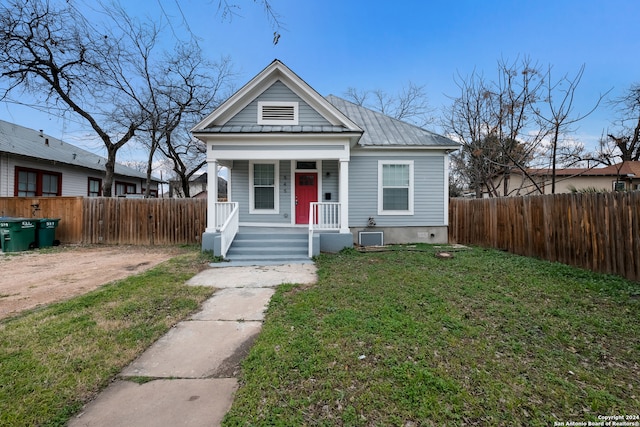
(371, 238)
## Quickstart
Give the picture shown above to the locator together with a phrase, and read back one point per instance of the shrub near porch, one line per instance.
(405, 338)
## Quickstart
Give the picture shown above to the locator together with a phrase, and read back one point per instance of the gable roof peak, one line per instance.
(275, 71)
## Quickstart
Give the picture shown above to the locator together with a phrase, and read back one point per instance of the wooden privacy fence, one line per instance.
(118, 221)
(597, 231)
(68, 209)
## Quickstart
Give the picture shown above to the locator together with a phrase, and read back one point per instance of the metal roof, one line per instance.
(22, 141)
(379, 130)
(384, 131)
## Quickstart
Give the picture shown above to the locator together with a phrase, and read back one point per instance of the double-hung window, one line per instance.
(33, 182)
(95, 187)
(395, 187)
(124, 188)
(263, 181)
(50, 185)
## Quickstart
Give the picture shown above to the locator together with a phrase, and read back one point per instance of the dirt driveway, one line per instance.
(33, 278)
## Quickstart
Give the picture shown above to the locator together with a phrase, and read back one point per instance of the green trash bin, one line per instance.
(46, 232)
(17, 234)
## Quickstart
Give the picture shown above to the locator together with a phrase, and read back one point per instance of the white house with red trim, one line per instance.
(34, 164)
(332, 171)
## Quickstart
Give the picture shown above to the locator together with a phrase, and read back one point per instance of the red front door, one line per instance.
(306, 192)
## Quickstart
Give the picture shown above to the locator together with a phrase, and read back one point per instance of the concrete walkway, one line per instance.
(190, 373)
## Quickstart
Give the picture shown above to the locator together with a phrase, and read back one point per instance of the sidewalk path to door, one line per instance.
(188, 377)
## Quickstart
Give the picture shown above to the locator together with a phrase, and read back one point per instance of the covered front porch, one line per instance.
(274, 197)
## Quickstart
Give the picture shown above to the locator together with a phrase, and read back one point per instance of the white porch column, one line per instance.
(212, 195)
(344, 196)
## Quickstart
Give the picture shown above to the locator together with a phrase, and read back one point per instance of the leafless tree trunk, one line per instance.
(52, 53)
(111, 75)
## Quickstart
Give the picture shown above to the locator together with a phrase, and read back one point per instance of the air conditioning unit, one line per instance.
(371, 238)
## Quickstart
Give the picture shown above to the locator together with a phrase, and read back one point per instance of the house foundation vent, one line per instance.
(371, 238)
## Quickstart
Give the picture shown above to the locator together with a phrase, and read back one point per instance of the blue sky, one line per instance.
(337, 44)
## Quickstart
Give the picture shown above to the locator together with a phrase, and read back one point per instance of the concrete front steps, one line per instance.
(270, 246)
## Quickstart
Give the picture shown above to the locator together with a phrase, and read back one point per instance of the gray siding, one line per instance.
(330, 184)
(278, 92)
(240, 180)
(428, 192)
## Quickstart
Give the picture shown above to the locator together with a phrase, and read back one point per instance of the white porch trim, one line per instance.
(212, 195)
(343, 194)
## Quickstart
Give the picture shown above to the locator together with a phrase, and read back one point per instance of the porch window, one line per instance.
(264, 185)
(395, 187)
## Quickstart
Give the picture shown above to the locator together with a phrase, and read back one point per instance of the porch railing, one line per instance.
(227, 223)
(323, 216)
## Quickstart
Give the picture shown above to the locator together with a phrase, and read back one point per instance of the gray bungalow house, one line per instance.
(317, 173)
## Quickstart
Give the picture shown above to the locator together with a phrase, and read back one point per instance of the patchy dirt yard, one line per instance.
(33, 278)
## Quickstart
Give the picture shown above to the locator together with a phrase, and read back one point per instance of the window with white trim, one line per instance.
(395, 187)
(277, 113)
(264, 187)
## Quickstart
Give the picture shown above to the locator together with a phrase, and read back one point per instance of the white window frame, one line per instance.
(276, 188)
(381, 211)
(293, 104)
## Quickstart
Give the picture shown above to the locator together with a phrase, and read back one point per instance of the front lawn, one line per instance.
(54, 359)
(404, 338)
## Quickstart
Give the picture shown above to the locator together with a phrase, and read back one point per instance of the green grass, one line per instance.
(54, 359)
(404, 338)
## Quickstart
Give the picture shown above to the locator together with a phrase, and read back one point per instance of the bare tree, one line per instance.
(112, 75)
(54, 54)
(493, 122)
(469, 122)
(558, 118)
(624, 141)
(176, 87)
(410, 104)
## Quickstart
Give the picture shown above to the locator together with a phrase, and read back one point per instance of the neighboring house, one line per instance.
(623, 176)
(198, 187)
(299, 160)
(33, 164)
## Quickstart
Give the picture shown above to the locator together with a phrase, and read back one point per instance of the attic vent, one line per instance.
(277, 113)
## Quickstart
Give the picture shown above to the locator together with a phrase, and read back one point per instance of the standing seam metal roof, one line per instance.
(379, 130)
(384, 131)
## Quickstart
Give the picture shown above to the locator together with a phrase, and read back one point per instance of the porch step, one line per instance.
(269, 247)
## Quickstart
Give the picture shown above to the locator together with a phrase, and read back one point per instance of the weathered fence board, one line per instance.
(68, 209)
(144, 221)
(600, 231)
(117, 221)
